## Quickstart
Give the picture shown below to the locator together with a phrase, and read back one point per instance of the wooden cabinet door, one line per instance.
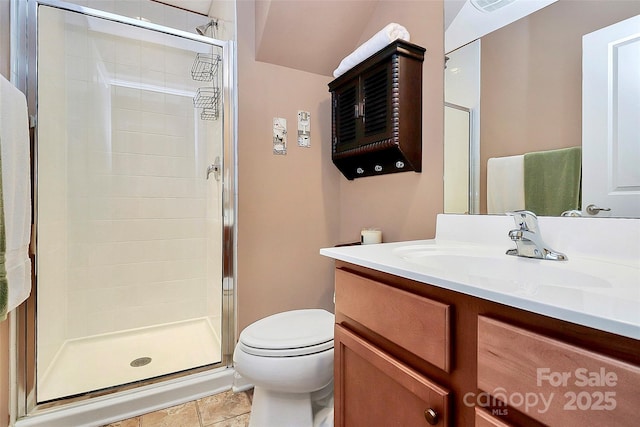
(376, 88)
(484, 419)
(346, 116)
(362, 109)
(560, 384)
(373, 388)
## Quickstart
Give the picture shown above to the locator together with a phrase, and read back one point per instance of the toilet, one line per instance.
(288, 357)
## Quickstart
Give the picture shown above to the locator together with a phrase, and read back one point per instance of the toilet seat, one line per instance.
(289, 334)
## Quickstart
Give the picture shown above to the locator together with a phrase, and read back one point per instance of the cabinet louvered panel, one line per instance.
(345, 111)
(376, 107)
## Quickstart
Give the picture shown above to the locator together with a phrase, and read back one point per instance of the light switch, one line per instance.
(304, 129)
(279, 135)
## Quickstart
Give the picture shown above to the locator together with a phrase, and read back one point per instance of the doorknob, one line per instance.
(594, 210)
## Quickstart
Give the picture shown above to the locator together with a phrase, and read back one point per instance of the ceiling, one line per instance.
(464, 23)
(314, 35)
(307, 35)
(310, 35)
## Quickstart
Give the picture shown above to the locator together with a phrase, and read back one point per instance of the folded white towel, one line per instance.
(16, 190)
(381, 39)
(505, 184)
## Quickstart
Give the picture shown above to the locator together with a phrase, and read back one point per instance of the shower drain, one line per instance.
(140, 361)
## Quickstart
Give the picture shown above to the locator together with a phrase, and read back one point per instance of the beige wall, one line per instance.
(531, 81)
(288, 205)
(291, 206)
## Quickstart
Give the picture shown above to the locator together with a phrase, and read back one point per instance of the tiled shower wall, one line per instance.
(129, 229)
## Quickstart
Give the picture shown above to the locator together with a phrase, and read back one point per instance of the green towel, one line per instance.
(552, 181)
(4, 285)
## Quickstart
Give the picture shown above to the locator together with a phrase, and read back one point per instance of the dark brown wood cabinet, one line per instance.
(377, 113)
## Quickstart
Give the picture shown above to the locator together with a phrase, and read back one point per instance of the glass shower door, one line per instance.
(128, 201)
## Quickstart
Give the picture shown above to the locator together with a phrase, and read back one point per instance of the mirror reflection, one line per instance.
(552, 102)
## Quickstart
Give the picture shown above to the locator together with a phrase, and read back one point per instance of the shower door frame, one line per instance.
(25, 63)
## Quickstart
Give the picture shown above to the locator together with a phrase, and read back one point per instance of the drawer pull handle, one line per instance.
(431, 416)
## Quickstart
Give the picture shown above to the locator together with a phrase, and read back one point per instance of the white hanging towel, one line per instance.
(382, 38)
(16, 195)
(505, 184)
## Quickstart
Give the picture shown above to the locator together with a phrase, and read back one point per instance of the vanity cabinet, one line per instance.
(485, 419)
(373, 388)
(406, 351)
(377, 113)
(560, 384)
(372, 385)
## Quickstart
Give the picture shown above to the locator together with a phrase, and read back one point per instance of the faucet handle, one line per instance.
(525, 220)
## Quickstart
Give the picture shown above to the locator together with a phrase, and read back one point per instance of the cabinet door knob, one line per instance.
(431, 416)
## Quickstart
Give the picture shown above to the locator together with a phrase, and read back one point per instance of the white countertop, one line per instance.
(601, 291)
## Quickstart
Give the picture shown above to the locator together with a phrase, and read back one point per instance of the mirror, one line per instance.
(522, 87)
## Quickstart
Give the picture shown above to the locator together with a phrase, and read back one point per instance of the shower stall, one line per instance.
(134, 202)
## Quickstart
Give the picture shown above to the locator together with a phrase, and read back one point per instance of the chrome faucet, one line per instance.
(528, 239)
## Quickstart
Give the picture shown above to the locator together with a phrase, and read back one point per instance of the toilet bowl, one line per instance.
(288, 357)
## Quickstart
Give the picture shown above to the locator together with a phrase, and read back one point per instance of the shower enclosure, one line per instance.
(133, 201)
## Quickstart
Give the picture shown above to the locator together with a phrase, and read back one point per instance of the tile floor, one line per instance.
(226, 409)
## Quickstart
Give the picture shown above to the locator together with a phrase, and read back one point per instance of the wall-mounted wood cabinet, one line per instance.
(377, 113)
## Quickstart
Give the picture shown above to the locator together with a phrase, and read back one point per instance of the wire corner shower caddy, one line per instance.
(205, 69)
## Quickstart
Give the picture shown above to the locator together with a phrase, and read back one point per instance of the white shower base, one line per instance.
(102, 361)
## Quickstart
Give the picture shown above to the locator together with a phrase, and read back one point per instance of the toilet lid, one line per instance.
(291, 333)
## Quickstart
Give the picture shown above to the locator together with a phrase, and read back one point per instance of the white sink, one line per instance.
(501, 272)
(578, 284)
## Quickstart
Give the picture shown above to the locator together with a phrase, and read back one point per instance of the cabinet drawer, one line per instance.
(415, 323)
(372, 388)
(554, 382)
(485, 419)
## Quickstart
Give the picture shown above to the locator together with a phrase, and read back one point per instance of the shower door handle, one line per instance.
(215, 167)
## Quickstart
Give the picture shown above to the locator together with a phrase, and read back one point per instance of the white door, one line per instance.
(611, 120)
